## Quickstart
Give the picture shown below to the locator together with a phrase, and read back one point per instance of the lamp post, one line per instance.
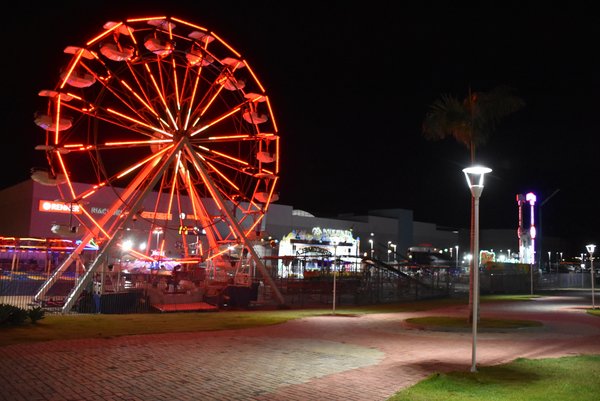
(474, 176)
(582, 266)
(371, 242)
(158, 231)
(335, 245)
(590, 248)
(456, 247)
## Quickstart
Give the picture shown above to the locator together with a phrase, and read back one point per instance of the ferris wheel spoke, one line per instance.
(204, 104)
(225, 80)
(214, 121)
(133, 123)
(159, 92)
(136, 95)
(194, 87)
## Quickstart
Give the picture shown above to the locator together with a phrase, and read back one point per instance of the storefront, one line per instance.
(303, 253)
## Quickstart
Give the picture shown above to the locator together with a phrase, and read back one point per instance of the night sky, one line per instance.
(350, 85)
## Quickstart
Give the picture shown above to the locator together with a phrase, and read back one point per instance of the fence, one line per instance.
(141, 294)
(145, 293)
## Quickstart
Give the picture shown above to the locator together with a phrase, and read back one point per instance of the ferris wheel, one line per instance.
(173, 121)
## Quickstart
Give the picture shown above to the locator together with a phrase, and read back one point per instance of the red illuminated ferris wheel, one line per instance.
(165, 107)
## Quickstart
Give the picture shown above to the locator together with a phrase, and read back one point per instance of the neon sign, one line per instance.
(59, 207)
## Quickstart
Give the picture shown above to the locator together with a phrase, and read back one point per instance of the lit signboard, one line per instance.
(59, 207)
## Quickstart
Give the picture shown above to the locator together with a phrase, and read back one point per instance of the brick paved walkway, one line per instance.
(319, 358)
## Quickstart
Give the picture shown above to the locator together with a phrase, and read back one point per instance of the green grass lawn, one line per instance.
(572, 378)
(76, 326)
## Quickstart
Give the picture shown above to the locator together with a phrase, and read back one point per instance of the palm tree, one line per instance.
(470, 121)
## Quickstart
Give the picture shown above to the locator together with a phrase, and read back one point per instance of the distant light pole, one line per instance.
(335, 245)
(456, 247)
(371, 242)
(158, 231)
(582, 267)
(590, 248)
(474, 176)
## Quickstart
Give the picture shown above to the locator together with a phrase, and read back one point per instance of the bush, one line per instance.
(13, 315)
(5, 313)
(36, 313)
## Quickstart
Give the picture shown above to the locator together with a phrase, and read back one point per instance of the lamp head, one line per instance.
(590, 248)
(474, 176)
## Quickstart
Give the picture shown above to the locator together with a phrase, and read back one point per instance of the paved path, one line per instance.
(319, 358)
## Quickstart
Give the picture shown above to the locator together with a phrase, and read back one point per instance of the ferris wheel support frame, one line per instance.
(84, 280)
(92, 233)
(239, 232)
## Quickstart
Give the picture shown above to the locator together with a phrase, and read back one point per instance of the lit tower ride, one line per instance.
(526, 237)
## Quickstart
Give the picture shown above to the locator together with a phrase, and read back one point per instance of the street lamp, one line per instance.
(590, 248)
(158, 231)
(582, 266)
(456, 247)
(474, 176)
(335, 245)
(371, 242)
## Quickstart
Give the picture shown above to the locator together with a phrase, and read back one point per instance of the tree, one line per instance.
(471, 122)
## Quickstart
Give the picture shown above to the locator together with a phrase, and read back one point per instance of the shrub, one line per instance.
(36, 313)
(5, 313)
(13, 315)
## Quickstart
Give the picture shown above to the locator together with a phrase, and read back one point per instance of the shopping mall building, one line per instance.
(30, 210)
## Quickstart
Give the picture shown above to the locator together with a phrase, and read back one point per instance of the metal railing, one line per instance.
(379, 284)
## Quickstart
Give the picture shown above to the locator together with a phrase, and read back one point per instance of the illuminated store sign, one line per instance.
(59, 207)
(62, 207)
(156, 216)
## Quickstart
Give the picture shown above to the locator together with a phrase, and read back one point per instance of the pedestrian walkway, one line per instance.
(366, 358)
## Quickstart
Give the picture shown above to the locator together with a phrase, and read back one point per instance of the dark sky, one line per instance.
(350, 85)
